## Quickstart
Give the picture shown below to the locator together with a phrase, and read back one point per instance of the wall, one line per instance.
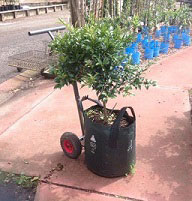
(41, 2)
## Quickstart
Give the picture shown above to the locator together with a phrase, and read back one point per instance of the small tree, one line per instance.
(93, 56)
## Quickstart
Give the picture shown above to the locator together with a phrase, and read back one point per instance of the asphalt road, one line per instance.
(14, 38)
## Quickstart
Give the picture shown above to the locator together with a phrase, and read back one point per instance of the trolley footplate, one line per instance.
(32, 60)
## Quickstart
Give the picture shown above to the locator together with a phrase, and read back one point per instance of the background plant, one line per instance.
(150, 13)
(183, 16)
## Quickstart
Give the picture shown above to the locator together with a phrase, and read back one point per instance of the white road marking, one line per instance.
(5, 24)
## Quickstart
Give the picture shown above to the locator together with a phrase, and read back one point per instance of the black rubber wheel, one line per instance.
(19, 69)
(71, 145)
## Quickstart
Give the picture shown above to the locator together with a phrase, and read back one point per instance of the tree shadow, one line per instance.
(169, 153)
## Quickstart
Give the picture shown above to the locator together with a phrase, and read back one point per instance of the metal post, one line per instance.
(79, 106)
(51, 35)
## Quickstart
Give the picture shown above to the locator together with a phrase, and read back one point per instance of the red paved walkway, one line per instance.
(164, 140)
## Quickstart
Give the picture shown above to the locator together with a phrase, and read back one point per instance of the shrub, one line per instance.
(93, 56)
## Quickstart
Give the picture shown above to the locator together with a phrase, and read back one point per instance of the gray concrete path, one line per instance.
(14, 38)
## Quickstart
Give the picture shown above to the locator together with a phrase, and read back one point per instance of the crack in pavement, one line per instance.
(91, 191)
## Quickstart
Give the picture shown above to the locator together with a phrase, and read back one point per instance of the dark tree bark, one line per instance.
(77, 13)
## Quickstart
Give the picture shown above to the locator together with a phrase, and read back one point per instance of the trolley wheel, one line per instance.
(19, 69)
(71, 145)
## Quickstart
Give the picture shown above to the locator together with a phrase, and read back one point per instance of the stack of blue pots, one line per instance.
(164, 47)
(181, 37)
(152, 48)
(133, 52)
(186, 39)
(177, 39)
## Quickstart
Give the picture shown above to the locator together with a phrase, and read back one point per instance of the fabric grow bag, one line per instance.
(110, 150)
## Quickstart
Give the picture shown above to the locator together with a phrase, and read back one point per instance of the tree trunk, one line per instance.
(105, 111)
(77, 14)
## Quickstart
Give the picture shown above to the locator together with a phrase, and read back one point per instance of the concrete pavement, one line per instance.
(32, 123)
(14, 38)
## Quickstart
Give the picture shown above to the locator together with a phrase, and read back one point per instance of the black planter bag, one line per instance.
(110, 150)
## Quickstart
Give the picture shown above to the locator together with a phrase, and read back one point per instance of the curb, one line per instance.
(11, 86)
(33, 11)
(17, 81)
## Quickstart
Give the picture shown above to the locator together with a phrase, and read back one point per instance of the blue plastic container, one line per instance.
(146, 37)
(152, 44)
(163, 30)
(129, 50)
(150, 38)
(157, 33)
(148, 53)
(178, 43)
(179, 31)
(186, 30)
(144, 43)
(139, 38)
(170, 29)
(175, 29)
(157, 43)
(136, 58)
(187, 40)
(164, 48)
(184, 35)
(134, 46)
(166, 37)
(175, 37)
(156, 51)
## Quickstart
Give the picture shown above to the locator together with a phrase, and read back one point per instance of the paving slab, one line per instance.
(164, 141)
(174, 71)
(47, 192)
(22, 102)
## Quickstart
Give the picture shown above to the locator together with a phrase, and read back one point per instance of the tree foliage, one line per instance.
(93, 55)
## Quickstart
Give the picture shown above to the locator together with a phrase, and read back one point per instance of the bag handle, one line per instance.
(115, 127)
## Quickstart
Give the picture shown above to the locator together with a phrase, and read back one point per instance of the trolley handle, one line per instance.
(49, 31)
(42, 31)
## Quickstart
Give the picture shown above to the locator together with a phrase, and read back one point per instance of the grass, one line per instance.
(19, 179)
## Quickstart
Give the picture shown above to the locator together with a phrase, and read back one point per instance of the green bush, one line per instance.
(92, 55)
